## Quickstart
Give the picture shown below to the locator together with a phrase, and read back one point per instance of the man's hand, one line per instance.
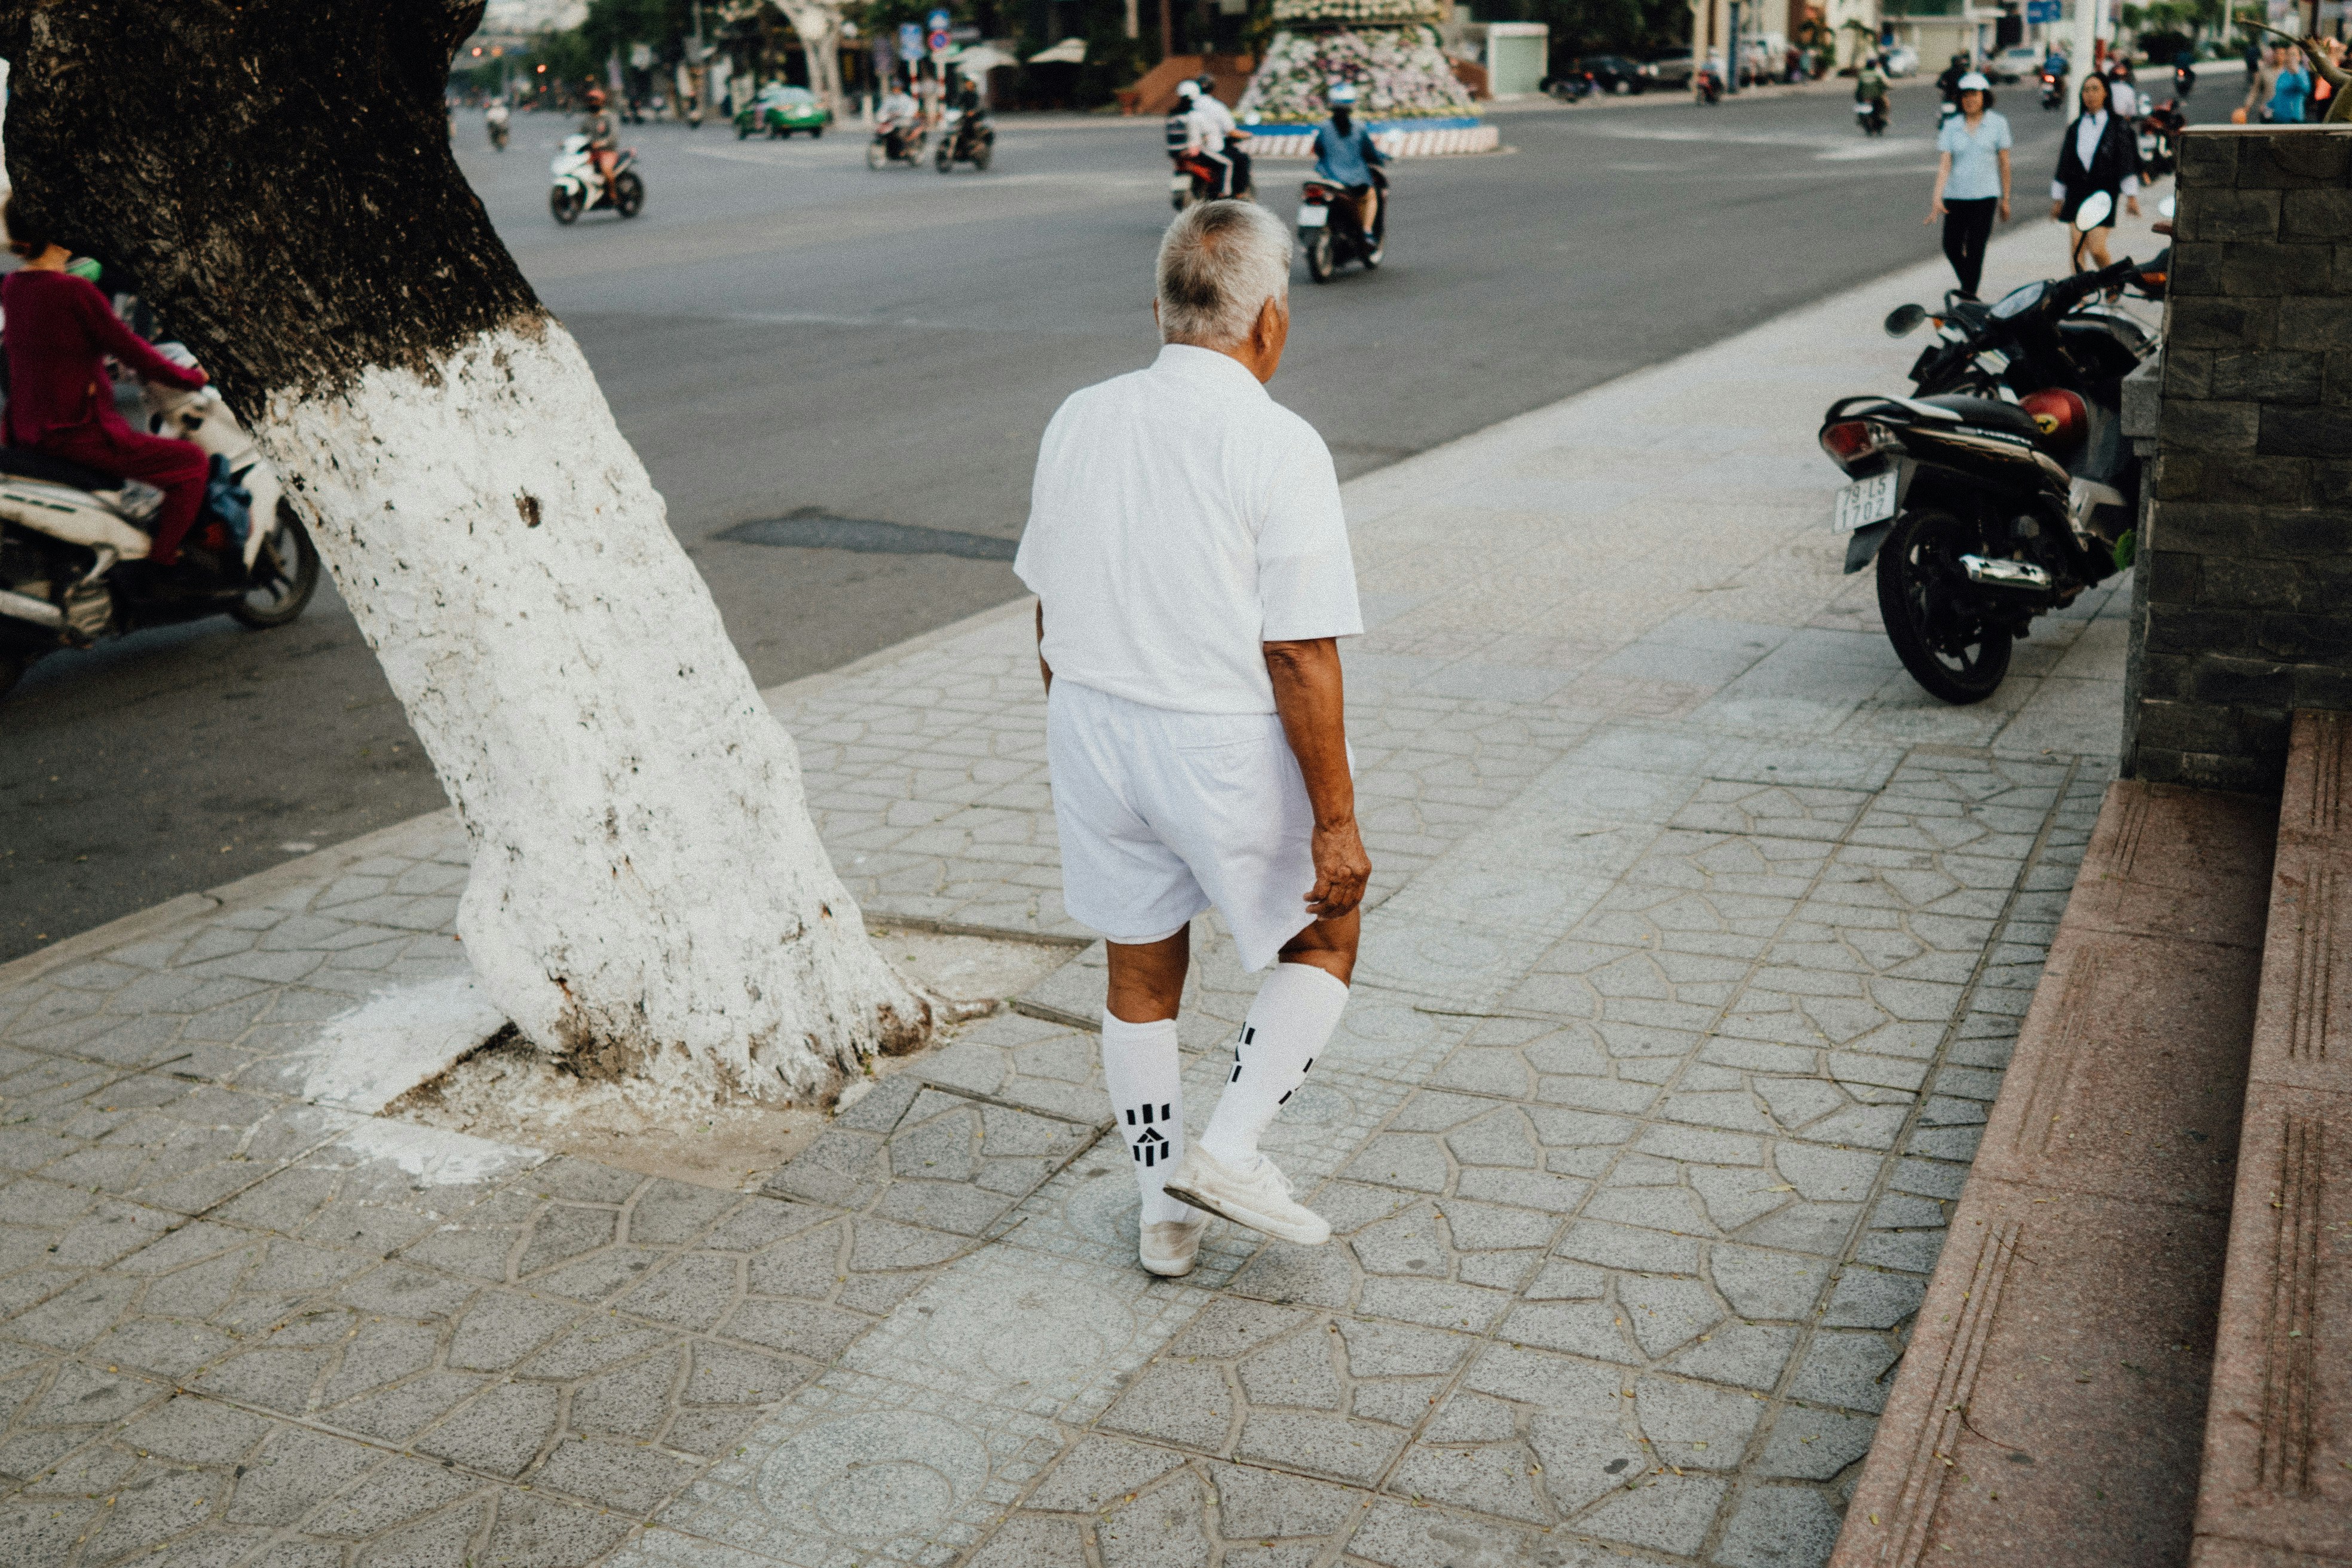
(1341, 868)
(1043, 667)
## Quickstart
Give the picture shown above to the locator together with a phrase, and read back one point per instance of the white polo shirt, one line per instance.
(1181, 519)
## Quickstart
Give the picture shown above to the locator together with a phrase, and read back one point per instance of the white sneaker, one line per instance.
(1170, 1246)
(1258, 1197)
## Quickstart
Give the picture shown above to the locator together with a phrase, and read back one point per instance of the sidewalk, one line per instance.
(1701, 935)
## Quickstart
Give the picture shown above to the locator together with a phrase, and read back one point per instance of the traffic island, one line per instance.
(1410, 99)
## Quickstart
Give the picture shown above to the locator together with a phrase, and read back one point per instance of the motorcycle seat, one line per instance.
(55, 470)
(1989, 413)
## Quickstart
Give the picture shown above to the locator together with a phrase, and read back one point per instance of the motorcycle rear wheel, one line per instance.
(1952, 649)
(628, 194)
(1318, 257)
(875, 156)
(945, 160)
(980, 158)
(285, 575)
(564, 203)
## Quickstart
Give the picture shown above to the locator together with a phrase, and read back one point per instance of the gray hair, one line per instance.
(1219, 265)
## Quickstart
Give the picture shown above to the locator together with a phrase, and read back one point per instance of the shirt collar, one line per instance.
(1209, 366)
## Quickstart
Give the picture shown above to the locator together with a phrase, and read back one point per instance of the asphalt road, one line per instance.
(787, 336)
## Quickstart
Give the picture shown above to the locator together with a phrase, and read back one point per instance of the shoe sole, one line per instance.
(1171, 1272)
(1278, 1230)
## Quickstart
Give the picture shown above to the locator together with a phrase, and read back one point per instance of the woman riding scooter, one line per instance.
(60, 398)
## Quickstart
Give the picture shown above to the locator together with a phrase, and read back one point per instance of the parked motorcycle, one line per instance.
(578, 187)
(965, 137)
(73, 552)
(896, 142)
(1871, 115)
(1331, 232)
(1982, 512)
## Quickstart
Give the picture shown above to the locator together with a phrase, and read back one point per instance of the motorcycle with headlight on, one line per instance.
(1989, 505)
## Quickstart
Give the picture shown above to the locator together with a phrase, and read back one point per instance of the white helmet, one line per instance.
(1341, 96)
(1188, 89)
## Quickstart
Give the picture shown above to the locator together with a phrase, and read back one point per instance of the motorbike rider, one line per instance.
(604, 147)
(1870, 85)
(2123, 93)
(1203, 138)
(1206, 103)
(1948, 84)
(895, 116)
(60, 399)
(1345, 154)
(497, 118)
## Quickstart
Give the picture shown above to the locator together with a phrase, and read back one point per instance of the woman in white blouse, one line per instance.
(2098, 152)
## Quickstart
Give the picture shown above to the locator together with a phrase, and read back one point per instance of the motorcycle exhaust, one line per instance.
(2021, 575)
(25, 607)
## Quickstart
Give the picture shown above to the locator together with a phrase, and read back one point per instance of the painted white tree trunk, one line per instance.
(819, 26)
(648, 897)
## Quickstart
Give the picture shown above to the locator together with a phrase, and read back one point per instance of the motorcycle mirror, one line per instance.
(1903, 320)
(2165, 206)
(2096, 209)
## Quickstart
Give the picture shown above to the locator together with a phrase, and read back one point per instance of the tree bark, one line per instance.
(819, 26)
(648, 898)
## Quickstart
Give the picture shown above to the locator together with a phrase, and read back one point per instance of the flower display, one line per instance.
(1399, 72)
(1390, 12)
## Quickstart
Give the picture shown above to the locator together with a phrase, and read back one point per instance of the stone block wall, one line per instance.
(2243, 606)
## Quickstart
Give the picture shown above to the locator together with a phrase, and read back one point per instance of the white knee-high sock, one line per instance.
(1143, 1073)
(1294, 1014)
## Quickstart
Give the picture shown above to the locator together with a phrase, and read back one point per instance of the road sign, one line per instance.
(939, 31)
(2040, 11)
(911, 42)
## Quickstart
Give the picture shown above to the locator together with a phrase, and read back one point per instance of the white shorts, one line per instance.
(1162, 813)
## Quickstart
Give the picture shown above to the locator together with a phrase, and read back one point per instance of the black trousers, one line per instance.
(1967, 228)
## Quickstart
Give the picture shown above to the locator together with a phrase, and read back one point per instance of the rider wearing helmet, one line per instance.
(596, 125)
(1345, 155)
(1201, 135)
(1205, 104)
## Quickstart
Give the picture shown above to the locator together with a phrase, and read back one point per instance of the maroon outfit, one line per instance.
(61, 402)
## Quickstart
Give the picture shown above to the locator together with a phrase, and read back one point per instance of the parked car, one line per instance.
(1612, 73)
(2021, 63)
(1668, 68)
(780, 111)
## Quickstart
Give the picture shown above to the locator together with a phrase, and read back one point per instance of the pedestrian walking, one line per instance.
(2098, 152)
(1971, 180)
(1190, 557)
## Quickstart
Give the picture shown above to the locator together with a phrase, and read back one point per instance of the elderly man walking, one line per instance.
(1189, 554)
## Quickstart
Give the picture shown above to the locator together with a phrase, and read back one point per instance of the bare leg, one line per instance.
(1147, 979)
(1328, 945)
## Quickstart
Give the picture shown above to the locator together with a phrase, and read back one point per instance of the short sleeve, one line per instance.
(2003, 141)
(1945, 141)
(1306, 575)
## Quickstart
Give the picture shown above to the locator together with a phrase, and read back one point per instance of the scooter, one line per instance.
(1709, 85)
(2159, 137)
(1871, 115)
(499, 134)
(1574, 87)
(897, 143)
(965, 137)
(1982, 513)
(2054, 90)
(1331, 233)
(578, 188)
(74, 566)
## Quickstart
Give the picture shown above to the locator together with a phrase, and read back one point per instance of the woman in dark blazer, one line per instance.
(2100, 152)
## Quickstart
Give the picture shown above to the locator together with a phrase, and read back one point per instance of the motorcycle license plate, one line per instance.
(1180, 183)
(1865, 501)
(1314, 218)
